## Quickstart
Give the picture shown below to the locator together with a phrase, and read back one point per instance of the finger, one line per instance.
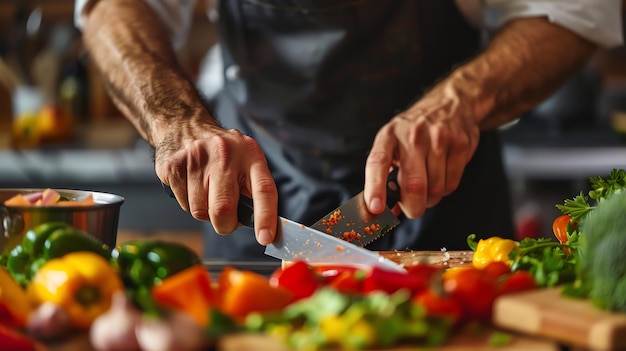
(413, 180)
(461, 151)
(377, 166)
(198, 183)
(456, 161)
(177, 183)
(265, 195)
(436, 162)
(223, 200)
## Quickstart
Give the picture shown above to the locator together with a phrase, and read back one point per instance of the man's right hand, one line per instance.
(207, 171)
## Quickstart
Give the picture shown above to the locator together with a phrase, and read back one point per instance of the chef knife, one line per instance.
(296, 241)
(354, 223)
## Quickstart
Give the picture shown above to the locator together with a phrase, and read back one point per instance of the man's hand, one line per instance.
(431, 143)
(208, 171)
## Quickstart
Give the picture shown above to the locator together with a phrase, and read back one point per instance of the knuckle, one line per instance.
(265, 186)
(221, 208)
(415, 185)
(378, 158)
(435, 191)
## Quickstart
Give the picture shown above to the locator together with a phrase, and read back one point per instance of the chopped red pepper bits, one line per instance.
(351, 236)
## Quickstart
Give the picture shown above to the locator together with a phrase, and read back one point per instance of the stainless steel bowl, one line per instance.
(100, 219)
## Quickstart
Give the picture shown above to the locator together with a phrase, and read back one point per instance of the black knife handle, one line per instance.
(393, 188)
(245, 208)
(245, 211)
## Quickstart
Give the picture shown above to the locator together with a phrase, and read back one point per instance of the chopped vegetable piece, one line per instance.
(189, 291)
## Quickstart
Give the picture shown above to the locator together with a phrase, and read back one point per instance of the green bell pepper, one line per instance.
(145, 262)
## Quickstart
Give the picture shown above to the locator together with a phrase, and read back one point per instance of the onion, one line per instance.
(178, 331)
(49, 321)
(115, 329)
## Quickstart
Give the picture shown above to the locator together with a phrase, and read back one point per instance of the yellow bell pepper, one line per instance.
(493, 249)
(82, 283)
(13, 299)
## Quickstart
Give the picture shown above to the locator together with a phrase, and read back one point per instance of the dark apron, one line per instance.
(313, 81)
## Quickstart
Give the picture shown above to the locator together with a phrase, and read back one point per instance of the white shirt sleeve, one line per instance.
(599, 21)
(175, 14)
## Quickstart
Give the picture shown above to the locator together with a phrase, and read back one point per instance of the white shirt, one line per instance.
(599, 21)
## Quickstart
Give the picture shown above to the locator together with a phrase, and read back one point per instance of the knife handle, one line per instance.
(393, 188)
(245, 208)
(245, 211)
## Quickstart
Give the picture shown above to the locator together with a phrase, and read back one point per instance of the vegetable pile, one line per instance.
(156, 295)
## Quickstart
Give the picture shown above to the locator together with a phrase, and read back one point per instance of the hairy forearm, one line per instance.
(130, 48)
(523, 64)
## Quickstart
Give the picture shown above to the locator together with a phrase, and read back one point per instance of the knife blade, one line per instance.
(354, 223)
(296, 241)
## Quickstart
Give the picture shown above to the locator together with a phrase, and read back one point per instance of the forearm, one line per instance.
(130, 48)
(524, 63)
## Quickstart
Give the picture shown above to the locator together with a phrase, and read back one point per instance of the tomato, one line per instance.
(475, 289)
(516, 282)
(559, 228)
(348, 282)
(242, 292)
(440, 305)
(298, 277)
(497, 269)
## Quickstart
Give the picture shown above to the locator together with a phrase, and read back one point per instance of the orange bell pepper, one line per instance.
(189, 291)
(242, 292)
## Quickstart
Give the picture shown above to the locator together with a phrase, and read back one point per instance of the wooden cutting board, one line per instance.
(548, 314)
(447, 259)
(256, 342)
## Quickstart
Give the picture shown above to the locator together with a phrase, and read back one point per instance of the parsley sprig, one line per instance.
(601, 188)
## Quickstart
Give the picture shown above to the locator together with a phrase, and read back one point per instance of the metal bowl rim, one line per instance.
(101, 199)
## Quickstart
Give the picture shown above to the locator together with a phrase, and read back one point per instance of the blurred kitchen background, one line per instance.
(59, 129)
